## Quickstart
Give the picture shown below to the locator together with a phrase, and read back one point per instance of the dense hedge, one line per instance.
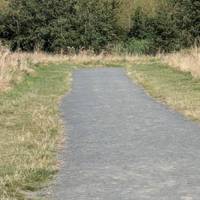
(54, 25)
(51, 25)
(171, 28)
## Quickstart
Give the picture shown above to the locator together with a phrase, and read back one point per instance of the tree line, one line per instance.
(123, 26)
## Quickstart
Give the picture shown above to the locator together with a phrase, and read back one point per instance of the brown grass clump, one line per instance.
(185, 60)
(12, 66)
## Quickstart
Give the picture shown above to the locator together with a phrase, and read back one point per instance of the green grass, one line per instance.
(30, 130)
(177, 89)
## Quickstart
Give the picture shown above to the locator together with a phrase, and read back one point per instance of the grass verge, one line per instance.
(30, 129)
(178, 89)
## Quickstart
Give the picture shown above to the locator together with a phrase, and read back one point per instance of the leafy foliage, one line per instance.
(188, 21)
(165, 32)
(157, 25)
(172, 27)
(54, 25)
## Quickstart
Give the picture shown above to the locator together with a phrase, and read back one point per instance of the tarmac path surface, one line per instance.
(123, 145)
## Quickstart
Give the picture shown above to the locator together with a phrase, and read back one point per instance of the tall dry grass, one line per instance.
(13, 65)
(186, 60)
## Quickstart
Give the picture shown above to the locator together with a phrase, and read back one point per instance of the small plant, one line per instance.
(133, 46)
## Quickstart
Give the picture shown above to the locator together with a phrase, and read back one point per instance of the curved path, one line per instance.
(122, 145)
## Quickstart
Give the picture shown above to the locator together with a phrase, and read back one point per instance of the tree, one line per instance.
(54, 25)
(187, 20)
(139, 27)
(30, 24)
(98, 25)
(165, 31)
(159, 30)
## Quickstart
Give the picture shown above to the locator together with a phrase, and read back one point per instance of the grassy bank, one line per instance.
(186, 60)
(30, 129)
(180, 90)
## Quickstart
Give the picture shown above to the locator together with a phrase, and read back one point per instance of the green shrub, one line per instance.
(95, 24)
(54, 25)
(133, 46)
(188, 21)
(136, 46)
(165, 33)
(171, 28)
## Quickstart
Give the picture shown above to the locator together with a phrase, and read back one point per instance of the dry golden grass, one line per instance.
(13, 65)
(30, 131)
(185, 60)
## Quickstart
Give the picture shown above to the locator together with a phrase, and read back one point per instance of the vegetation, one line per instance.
(70, 25)
(16, 65)
(187, 60)
(177, 89)
(30, 128)
(58, 25)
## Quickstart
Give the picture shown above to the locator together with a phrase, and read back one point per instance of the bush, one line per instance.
(171, 28)
(133, 46)
(54, 25)
(165, 33)
(187, 20)
(140, 25)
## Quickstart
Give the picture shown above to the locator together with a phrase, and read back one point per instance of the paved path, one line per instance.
(122, 145)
